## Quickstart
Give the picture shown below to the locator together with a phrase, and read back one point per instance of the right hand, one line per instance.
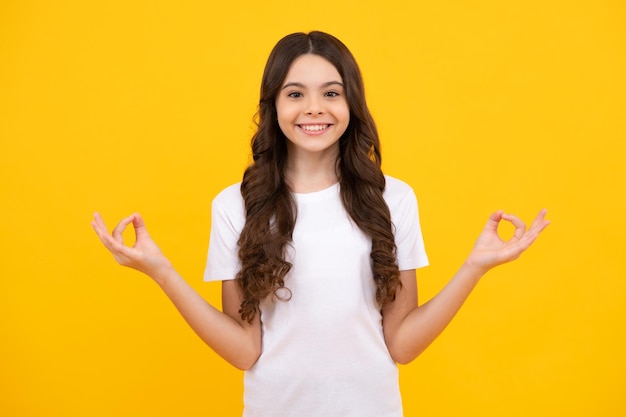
(144, 256)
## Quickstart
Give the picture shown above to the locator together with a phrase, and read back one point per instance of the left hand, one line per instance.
(490, 250)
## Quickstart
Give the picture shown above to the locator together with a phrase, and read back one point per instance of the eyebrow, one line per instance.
(300, 85)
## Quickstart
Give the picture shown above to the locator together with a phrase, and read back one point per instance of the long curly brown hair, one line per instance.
(269, 204)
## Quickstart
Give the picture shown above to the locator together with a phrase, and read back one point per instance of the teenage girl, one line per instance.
(317, 250)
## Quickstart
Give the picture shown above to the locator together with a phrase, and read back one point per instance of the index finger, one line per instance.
(121, 226)
(520, 226)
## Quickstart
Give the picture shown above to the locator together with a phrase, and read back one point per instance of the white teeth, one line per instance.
(313, 128)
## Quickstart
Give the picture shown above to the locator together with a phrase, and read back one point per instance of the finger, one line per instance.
(494, 220)
(533, 232)
(540, 222)
(98, 223)
(121, 226)
(520, 226)
(141, 231)
(103, 234)
(101, 229)
(121, 253)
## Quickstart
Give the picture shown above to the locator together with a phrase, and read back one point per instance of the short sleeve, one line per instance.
(402, 203)
(227, 221)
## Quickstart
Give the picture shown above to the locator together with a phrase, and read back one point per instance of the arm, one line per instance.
(410, 329)
(237, 341)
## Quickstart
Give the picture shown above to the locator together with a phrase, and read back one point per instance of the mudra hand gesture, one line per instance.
(491, 250)
(144, 256)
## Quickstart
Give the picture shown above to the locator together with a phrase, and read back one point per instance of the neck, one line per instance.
(311, 173)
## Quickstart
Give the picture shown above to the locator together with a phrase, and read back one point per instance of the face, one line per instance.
(312, 108)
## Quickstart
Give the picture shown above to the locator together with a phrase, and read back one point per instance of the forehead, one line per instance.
(312, 69)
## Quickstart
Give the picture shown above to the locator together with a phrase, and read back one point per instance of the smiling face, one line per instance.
(312, 108)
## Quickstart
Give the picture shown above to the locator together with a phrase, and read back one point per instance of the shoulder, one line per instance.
(400, 198)
(397, 190)
(229, 196)
(229, 203)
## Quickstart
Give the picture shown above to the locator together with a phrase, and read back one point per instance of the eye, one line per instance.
(294, 94)
(331, 94)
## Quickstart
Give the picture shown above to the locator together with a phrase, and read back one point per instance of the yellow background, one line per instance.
(146, 106)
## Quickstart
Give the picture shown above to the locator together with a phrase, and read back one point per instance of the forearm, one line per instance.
(237, 341)
(410, 329)
(225, 335)
(424, 323)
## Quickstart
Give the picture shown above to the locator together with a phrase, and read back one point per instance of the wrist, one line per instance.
(474, 269)
(163, 274)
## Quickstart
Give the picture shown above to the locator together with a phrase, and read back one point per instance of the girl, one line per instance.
(317, 250)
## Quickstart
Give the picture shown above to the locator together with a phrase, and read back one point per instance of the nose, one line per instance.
(314, 107)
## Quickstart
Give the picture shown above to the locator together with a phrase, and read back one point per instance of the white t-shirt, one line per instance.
(324, 354)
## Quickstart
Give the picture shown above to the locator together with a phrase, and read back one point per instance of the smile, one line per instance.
(314, 128)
